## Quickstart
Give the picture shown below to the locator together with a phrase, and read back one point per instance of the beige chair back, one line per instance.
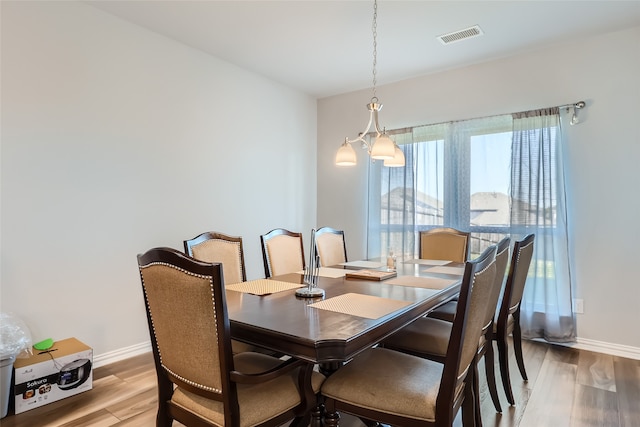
(331, 247)
(219, 248)
(502, 259)
(518, 271)
(444, 244)
(187, 318)
(284, 255)
(282, 252)
(482, 284)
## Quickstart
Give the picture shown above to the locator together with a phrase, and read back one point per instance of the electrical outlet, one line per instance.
(578, 306)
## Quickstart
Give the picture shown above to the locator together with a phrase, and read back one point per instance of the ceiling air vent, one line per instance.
(457, 36)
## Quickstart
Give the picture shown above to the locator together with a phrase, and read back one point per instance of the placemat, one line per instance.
(363, 264)
(332, 273)
(262, 286)
(370, 307)
(421, 282)
(426, 261)
(458, 271)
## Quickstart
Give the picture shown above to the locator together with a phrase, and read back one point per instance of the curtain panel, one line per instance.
(538, 198)
(493, 176)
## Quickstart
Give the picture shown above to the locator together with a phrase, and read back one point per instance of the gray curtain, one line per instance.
(392, 194)
(437, 188)
(539, 206)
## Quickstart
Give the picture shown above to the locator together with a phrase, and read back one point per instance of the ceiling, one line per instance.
(325, 48)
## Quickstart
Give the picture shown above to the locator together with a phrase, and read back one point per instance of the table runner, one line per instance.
(421, 282)
(363, 264)
(262, 287)
(368, 306)
(332, 273)
(458, 271)
(426, 261)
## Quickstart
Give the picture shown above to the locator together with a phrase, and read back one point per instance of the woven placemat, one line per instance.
(370, 307)
(363, 264)
(262, 286)
(329, 272)
(458, 271)
(426, 261)
(421, 282)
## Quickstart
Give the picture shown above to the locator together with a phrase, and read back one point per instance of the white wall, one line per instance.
(116, 140)
(603, 157)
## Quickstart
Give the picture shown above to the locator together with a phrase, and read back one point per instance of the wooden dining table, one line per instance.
(304, 328)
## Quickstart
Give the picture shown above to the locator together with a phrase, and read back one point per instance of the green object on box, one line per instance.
(44, 345)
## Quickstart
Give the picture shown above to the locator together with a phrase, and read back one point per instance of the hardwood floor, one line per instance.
(566, 387)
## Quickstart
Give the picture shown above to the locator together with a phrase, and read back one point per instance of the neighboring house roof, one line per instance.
(487, 208)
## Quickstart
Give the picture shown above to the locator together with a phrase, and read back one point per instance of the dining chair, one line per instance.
(447, 311)
(444, 243)
(508, 315)
(282, 252)
(429, 336)
(217, 247)
(402, 389)
(200, 382)
(330, 246)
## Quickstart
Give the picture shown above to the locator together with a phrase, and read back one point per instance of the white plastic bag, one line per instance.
(15, 337)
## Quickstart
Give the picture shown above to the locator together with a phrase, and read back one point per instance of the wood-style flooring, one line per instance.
(566, 387)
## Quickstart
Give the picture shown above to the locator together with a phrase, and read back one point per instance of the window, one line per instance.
(494, 177)
(457, 175)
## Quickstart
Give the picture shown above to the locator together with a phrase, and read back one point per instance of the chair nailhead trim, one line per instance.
(201, 276)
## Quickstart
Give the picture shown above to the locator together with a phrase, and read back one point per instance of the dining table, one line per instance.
(354, 314)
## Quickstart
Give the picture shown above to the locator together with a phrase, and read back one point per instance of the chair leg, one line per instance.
(517, 349)
(163, 421)
(476, 395)
(469, 415)
(331, 416)
(503, 356)
(301, 421)
(491, 376)
(316, 415)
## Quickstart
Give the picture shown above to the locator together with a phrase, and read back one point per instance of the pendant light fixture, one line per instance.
(382, 148)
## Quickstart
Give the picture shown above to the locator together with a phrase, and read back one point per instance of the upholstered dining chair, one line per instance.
(282, 252)
(444, 243)
(508, 314)
(402, 389)
(330, 246)
(217, 247)
(429, 336)
(200, 382)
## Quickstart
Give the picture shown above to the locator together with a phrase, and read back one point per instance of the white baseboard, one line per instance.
(581, 343)
(608, 348)
(121, 354)
(603, 347)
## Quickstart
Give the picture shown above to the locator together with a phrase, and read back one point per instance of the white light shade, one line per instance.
(398, 159)
(346, 155)
(383, 148)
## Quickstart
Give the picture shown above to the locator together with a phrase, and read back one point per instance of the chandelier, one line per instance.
(382, 148)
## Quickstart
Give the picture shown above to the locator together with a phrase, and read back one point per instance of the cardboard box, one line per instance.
(48, 376)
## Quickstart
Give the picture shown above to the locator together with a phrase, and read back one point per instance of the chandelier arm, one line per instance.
(373, 119)
(360, 139)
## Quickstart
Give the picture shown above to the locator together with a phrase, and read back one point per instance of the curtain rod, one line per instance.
(574, 119)
(578, 105)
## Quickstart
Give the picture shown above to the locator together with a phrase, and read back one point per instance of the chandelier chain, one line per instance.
(374, 29)
(378, 145)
